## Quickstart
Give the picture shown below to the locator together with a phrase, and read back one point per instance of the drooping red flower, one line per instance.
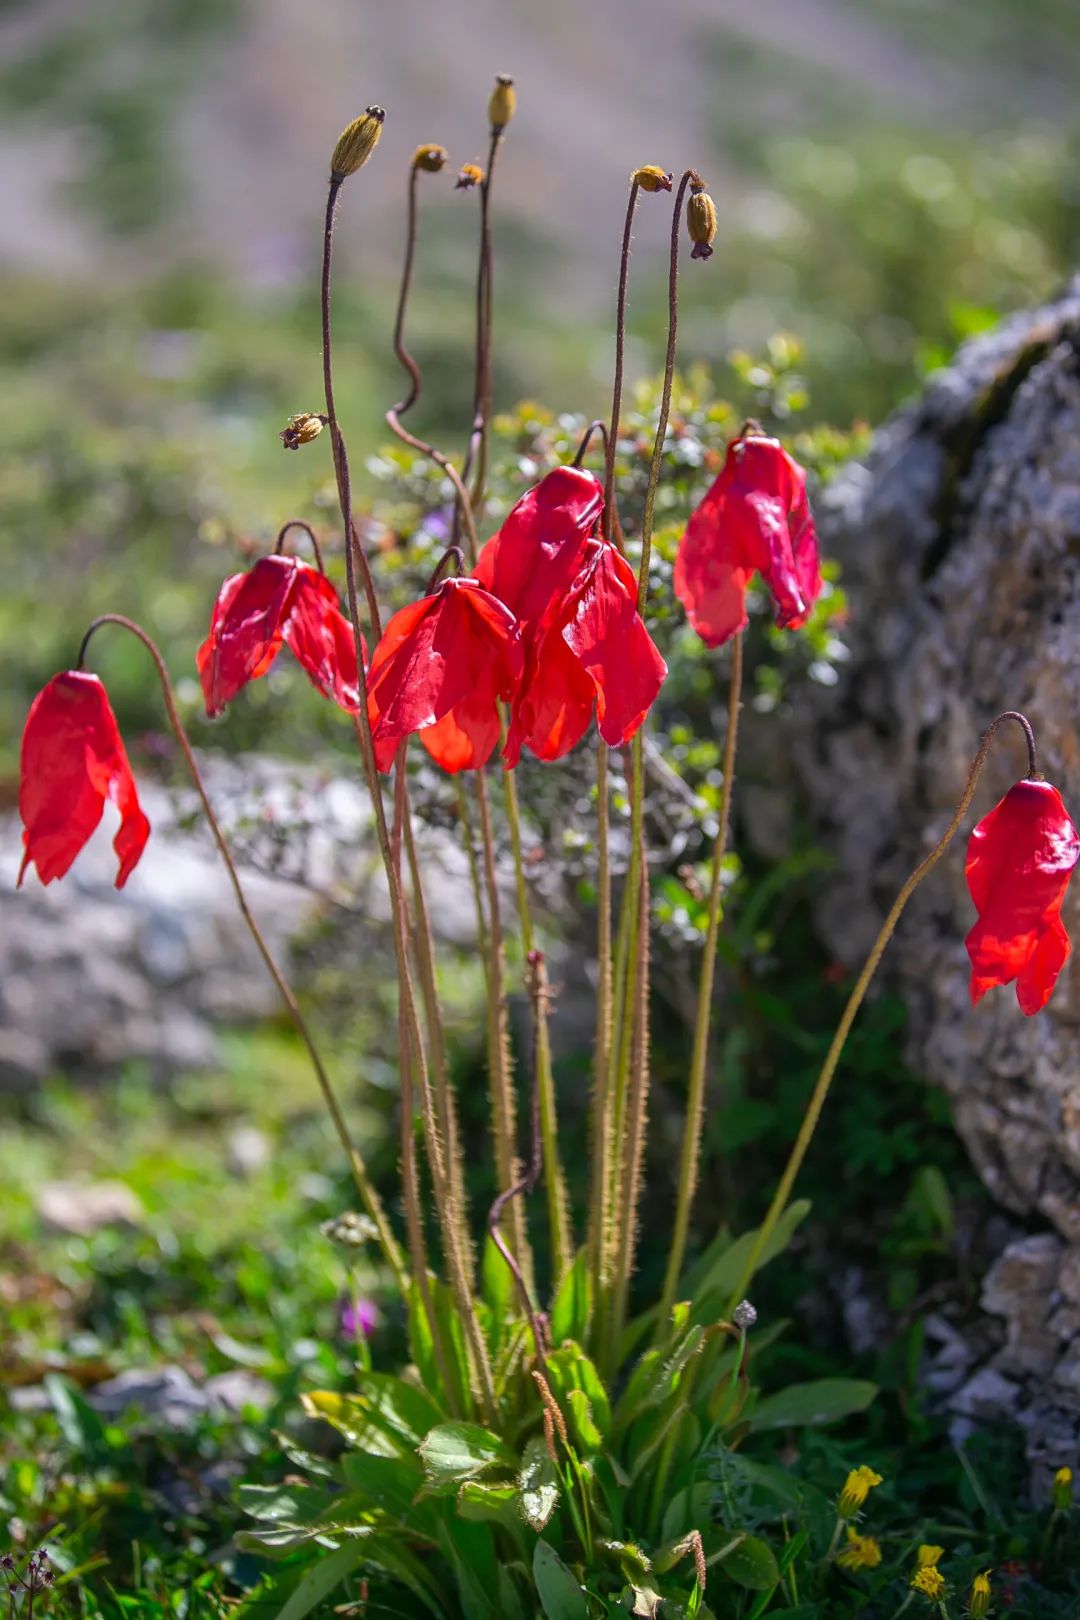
(593, 653)
(440, 669)
(755, 519)
(537, 554)
(1019, 862)
(73, 759)
(280, 600)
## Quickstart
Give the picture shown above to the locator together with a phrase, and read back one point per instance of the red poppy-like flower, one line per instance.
(1019, 862)
(594, 652)
(754, 519)
(73, 759)
(440, 669)
(279, 600)
(537, 554)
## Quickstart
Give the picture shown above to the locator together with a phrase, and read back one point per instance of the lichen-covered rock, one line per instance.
(960, 544)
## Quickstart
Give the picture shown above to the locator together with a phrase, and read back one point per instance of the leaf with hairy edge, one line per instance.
(452, 1452)
(823, 1400)
(570, 1312)
(538, 1484)
(561, 1596)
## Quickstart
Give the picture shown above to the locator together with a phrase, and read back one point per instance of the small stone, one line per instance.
(82, 1208)
(249, 1150)
(168, 1395)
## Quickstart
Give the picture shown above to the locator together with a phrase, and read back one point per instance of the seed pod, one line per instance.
(503, 102)
(302, 429)
(429, 158)
(356, 143)
(979, 1596)
(700, 220)
(651, 178)
(469, 175)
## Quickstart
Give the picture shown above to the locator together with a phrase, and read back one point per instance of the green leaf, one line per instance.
(560, 1595)
(401, 1409)
(285, 1505)
(497, 1287)
(751, 1563)
(712, 1297)
(570, 1312)
(570, 1368)
(80, 1425)
(494, 1501)
(452, 1452)
(388, 1483)
(823, 1400)
(538, 1484)
(453, 1341)
(320, 1581)
(586, 1433)
(470, 1550)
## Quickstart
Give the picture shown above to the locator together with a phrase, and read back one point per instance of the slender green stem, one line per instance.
(368, 1196)
(562, 1241)
(465, 818)
(695, 1091)
(855, 1001)
(599, 1217)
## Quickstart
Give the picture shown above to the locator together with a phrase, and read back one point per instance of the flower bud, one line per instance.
(503, 102)
(857, 1487)
(929, 1581)
(700, 220)
(469, 175)
(429, 158)
(744, 1315)
(651, 178)
(302, 429)
(979, 1596)
(1061, 1491)
(356, 143)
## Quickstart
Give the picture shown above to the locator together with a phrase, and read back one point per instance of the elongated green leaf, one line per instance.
(283, 1504)
(751, 1563)
(470, 1550)
(492, 1500)
(560, 1594)
(570, 1368)
(570, 1311)
(320, 1581)
(587, 1435)
(452, 1452)
(387, 1483)
(713, 1296)
(400, 1408)
(824, 1400)
(538, 1484)
(80, 1425)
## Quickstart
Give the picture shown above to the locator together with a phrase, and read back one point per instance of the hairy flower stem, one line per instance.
(599, 1236)
(500, 1068)
(538, 997)
(695, 1091)
(465, 819)
(562, 1241)
(476, 455)
(368, 1196)
(620, 351)
(858, 993)
(452, 1245)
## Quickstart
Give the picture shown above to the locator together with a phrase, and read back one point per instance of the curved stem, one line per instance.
(476, 455)
(299, 523)
(695, 1091)
(595, 426)
(855, 1001)
(665, 395)
(402, 353)
(368, 1196)
(538, 996)
(464, 505)
(620, 347)
(411, 1021)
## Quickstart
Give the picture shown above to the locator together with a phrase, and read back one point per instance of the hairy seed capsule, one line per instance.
(356, 143)
(429, 158)
(302, 429)
(701, 221)
(503, 102)
(469, 175)
(651, 178)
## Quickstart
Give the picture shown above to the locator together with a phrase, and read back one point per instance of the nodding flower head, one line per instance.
(651, 178)
(503, 102)
(469, 175)
(429, 158)
(73, 759)
(859, 1552)
(356, 143)
(857, 1487)
(700, 220)
(302, 429)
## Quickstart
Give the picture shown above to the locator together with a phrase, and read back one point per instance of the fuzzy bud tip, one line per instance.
(302, 429)
(429, 158)
(503, 102)
(356, 143)
(469, 175)
(700, 220)
(651, 178)
(744, 1315)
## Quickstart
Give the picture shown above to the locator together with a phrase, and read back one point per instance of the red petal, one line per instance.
(245, 629)
(73, 759)
(466, 738)
(1019, 861)
(536, 554)
(556, 702)
(459, 643)
(607, 634)
(321, 639)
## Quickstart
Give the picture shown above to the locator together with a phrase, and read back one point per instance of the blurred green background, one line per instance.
(891, 176)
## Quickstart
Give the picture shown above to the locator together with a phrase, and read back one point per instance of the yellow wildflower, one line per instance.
(979, 1596)
(861, 1552)
(1061, 1492)
(469, 175)
(927, 1556)
(929, 1581)
(857, 1487)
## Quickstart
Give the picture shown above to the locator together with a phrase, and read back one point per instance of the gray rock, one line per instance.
(169, 1396)
(82, 1208)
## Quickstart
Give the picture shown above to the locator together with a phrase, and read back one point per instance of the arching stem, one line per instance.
(858, 993)
(368, 1196)
(299, 523)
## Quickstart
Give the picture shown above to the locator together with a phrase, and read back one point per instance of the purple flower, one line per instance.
(358, 1318)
